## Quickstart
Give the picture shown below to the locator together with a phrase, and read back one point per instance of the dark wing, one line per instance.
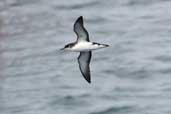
(82, 34)
(84, 61)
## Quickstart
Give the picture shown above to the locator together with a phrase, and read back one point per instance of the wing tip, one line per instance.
(89, 81)
(87, 78)
(80, 19)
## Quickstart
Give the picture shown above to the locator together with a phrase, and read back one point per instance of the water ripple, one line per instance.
(77, 6)
(111, 110)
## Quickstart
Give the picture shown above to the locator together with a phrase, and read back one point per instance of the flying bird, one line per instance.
(84, 46)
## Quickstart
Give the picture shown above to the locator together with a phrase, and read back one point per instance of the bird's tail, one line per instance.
(105, 45)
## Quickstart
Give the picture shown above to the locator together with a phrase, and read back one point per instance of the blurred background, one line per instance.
(132, 76)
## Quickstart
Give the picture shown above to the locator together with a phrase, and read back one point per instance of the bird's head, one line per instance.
(68, 47)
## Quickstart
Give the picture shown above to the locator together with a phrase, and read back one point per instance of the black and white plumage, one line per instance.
(84, 64)
(82, 34)
(84, 46)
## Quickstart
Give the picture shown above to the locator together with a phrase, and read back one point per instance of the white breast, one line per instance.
(85, 46)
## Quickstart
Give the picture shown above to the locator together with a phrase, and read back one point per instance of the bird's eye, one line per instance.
(66, 46)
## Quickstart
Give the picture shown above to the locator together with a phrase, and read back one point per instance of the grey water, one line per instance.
(132, 76)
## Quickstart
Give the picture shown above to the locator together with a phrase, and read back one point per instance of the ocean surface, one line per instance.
(132, 76)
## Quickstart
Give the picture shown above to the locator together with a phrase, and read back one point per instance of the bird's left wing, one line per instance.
(82, 34)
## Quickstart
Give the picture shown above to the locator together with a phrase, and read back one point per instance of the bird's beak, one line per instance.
(62, 49)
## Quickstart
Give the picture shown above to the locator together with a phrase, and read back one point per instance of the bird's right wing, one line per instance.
(82, 34)
(84, 61)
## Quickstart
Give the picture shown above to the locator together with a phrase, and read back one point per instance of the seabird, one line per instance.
(84, 46)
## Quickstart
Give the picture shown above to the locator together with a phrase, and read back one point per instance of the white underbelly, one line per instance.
(85, 46)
